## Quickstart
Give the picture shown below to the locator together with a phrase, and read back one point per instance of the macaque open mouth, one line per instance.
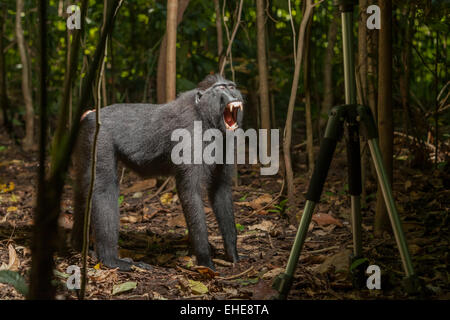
(230, 114)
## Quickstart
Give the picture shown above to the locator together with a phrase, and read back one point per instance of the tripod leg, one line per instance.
(283, 282)
(354, 184)
(411, 280)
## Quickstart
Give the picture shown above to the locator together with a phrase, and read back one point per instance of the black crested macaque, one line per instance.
(139, 135)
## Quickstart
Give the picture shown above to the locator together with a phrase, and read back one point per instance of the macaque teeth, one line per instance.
(235, 104)
(233, 127)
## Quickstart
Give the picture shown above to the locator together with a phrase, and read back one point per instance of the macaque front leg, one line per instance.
(220, 196)
(189, 192)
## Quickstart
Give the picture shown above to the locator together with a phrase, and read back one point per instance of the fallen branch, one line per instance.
(160, 188)
(236, 275)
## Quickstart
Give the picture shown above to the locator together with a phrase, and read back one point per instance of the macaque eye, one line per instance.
(232, 87)
(221, 87)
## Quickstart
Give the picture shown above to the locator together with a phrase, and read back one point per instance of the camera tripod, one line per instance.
(348, 118)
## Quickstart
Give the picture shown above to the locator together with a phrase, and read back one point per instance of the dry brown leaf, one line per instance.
(257, 203)
(265, 225)
(206, 271)
(339, 261)
(130, 219)
(272, 273)
(14, 262)
(177, 220)
(65, 221)
(324, 219)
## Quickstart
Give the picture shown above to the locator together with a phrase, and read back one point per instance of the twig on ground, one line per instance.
(236, 275)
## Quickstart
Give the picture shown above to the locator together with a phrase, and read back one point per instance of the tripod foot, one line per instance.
(411, 284)
(282, 284)
(358, 267)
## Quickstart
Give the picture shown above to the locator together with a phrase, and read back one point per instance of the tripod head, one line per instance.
(345, 5)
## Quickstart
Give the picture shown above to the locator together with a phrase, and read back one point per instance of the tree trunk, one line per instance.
(26, 80)
(161, 70)
(4, 105)
(328, 96)
(361, 76)
(306, 80)
(362, 53)
(219, 31)
(50, 189)
(372, 46)
(385, 114)
(405, 70)
(290, 113)
(171, 62)
(264, 101)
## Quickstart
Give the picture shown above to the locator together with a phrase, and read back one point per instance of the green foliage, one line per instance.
(15, 279)
(280, 208)
(140, 27)
(239, 227)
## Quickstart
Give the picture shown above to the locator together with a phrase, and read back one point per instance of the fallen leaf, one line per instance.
(123, 287)
(166, 198)
(257, 203)
(272, 273)
(325, 219)
(265, 225)
(164, 258)
(65, 221)
(157, 296)
(13, 262)
(230, 290)
(339, 261)
(11, 209)
(177, 220)
(130, 219)
(137, 195)
(197, 287)
(206, 271)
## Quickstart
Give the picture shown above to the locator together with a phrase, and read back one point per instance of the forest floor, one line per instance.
(153, 230)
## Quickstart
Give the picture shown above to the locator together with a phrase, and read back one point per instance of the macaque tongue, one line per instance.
(228, 117)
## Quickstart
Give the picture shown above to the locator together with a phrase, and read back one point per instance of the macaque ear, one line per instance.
(198, 95)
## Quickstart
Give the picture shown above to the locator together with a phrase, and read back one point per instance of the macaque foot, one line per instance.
(125, 264)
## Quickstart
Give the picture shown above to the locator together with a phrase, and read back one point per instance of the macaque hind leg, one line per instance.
(220, 196)
(189, 191)
(105, 216)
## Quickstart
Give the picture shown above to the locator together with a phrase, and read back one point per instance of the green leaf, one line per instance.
(61, 274)
(357, 263)
(123, 287)
(246, 282)
(15, 279)
(240, 227)
(120, 200)
(243, 198)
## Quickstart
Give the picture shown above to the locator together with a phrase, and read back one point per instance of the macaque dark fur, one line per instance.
(139, 135)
